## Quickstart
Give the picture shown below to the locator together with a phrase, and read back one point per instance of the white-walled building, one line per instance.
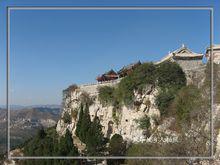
(216, 53)
(186, 58)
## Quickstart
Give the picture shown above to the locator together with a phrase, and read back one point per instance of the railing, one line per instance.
(103, 82)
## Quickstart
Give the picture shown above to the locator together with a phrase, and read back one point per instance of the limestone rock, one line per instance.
(61, 127)
(125, 125)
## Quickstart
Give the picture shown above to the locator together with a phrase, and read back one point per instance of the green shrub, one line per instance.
(124, 92)
(141, 76)
(170, 75)
(67, 118)
(143, 122)
(188, 101)
(171, 79)
(116, 114)
(117, 147)
(41, 134)
(48, 143)
(167, 75)
(150, 150)
(164, 99)
(106, 95)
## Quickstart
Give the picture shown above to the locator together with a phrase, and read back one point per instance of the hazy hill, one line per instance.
(25, 123)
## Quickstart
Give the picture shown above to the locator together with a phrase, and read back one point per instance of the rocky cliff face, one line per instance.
(123, 123)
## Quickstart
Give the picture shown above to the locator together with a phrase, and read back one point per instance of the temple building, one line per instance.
(216, 53)
(108, 76)
(112, 75)
(126, 70)
(186, 58)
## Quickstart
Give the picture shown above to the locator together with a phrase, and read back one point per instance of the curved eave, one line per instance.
(167, 57)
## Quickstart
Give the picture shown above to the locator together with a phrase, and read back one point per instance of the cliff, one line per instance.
(126, 126)
(148, 126)
(162, 128)
(126, 121)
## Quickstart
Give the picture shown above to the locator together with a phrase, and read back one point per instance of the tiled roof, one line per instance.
(183, 52)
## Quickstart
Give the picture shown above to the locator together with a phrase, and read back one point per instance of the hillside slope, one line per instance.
(25, 123)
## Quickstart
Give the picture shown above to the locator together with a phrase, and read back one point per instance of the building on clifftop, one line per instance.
(186, 58)
(126, 70)
(216, 53)
(108, 76)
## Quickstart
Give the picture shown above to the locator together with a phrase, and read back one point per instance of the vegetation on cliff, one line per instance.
(152, 150)
(141, 76)
(191, 111)
(117, 147)
(48, 143)
(66, 118)
(143, 122)
(168, 76)
(188, 105)
(90, 132)
(106, 95)
(187, 102)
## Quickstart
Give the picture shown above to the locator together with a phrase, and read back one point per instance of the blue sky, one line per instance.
(53, 49)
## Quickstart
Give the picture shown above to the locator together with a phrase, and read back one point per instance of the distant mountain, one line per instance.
(13, 107)
(45, 106)
(25, 123)
(20, 107)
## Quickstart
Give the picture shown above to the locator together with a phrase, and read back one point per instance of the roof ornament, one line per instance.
(183, 46)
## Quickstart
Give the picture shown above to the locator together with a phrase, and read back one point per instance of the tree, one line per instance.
(144, 74)
(171, 79)
(89, 132)
(170, 75)
(79, 122)
(66, 147)
(50, 144)
(86, 124)
(41, 134)
(66, 118)
(117, 147)
(164, 99)
(141, 76)
(106, 95)
(95, 141)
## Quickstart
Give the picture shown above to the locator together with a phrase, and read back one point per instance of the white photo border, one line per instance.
(10, 8)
